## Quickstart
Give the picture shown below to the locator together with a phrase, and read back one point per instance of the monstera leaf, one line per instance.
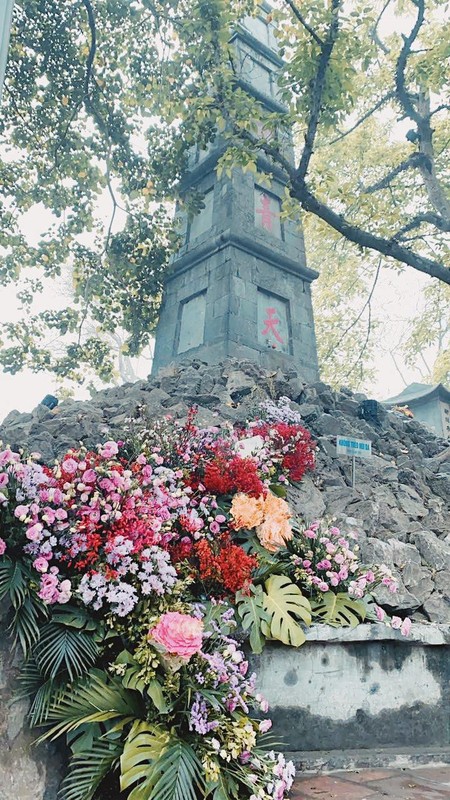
(251, 610)
(285, 605)
(339, 610)
(158, 767)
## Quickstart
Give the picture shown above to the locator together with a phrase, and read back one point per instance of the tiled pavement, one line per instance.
(420, 783)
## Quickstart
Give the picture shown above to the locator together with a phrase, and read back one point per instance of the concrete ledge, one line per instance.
(381, 758)
(421, 633)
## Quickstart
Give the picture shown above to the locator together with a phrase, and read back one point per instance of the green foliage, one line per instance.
(93, 698)
(251, 609)
(157, 766)
(285, 605)
(338, 610)
(16, 582)
(102, 128)
(88, 769)
(60, 646)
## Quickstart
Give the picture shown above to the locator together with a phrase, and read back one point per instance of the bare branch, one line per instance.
(365, 116)
(433, 219)
(92, 47)
(413, 162)
(390, 248)
(443, 107)
(335, 345)
(403, 95)
(297, 13)
(317, 89)
(375, 36)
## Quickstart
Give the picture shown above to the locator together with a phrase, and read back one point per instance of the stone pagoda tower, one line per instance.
(239, 286)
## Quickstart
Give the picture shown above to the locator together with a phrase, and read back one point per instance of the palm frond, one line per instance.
(15, 583)
(179, 772)
(94, 698)
(88, 769)
(25, 624)
(62, 647)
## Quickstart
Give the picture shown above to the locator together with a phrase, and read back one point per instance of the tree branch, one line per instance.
(403, 95)
(297, 13)
(375, 36)
(442, 107)
(412, 162)
(387, 247)
(433, 219)
(92, 48)
(365, 116)
(317, 90)
(335, 345)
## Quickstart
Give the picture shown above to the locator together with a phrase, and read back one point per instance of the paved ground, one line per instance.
(420, 783)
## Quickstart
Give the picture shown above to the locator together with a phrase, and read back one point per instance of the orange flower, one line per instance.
(275, 530)
(248, 512)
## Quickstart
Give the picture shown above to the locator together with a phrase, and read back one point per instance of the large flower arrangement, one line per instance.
(135, 573)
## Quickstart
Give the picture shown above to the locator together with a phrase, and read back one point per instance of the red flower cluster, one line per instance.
(296, 445)
(236, 475)
(231, 567)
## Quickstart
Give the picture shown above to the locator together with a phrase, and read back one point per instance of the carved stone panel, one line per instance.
(267, 212)
(273, 322)
(192, 323)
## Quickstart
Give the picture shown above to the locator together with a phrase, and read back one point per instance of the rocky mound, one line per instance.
(401, 501)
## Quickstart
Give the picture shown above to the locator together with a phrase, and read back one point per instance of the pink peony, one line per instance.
(2, 546)
(3, 480)
(180, 634)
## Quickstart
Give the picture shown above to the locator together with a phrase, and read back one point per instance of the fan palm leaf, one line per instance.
(62, 647)
(94, 698)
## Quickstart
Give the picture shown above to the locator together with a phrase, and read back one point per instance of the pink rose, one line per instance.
(41, 564)
(89, 476)
(396, 623)
(380, 613)
(406, 627)
(70, 466)
(2, 546)
(265, 725)
(109, 450)
(34, 533)
(179, 634)
(21, 512)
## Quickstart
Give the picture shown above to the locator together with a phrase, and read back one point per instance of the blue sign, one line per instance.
(353, 447)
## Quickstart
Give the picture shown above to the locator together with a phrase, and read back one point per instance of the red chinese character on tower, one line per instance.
(266, 213)
(271, 323)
